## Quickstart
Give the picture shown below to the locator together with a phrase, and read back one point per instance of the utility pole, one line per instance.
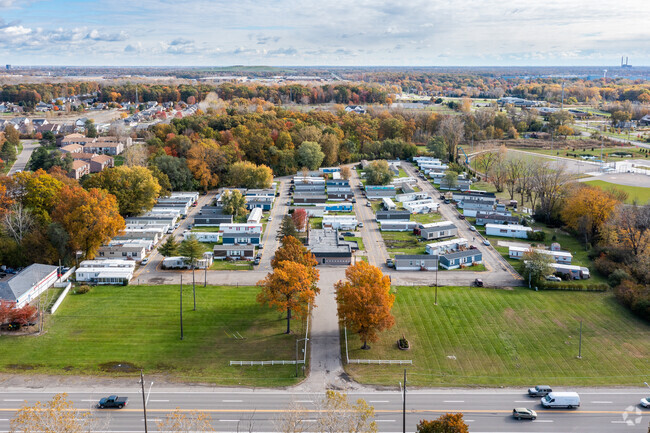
(580, 342)
(298, 341)
(181, 306)
(193, 286)
(404, 404)
(437, 266)
(205, 275)
(144, 402)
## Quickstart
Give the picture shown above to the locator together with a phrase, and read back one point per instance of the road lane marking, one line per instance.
(618, 422)
(602, 402)
(454, 401)
(378, 401)
(159, 401)
(523, 401)
(228, 420)
(469, 420)
(304, 401)
(13, 399)
(384, 420)
(543, 420)
(88, 400)
(232, 401)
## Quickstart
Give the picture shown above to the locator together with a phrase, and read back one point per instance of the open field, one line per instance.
(138, 327)
(403, 243)
(508, 337)
(228, 265)
(426, 218)
(607, 152)
(636, 193)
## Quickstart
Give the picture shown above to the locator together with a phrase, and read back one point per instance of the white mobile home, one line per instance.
(255, 216)
(421, 206)
(574, 272)
(563, 257)
(388, 203)
(341, 222)
(210, 237)
(438, 248)
(412, 196)
(397, 226)
(508, 231)
(241, 228)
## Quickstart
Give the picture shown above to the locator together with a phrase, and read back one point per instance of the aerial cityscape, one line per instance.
(332, 217)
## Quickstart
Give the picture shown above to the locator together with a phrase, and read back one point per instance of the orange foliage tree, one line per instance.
(447, 423)
(587, 209)
(91, 218)
(365, 301)
(292, 250)
(299, 217)
(289, 287)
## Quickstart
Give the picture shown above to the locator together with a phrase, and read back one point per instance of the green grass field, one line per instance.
(359, 241)
(227, 265)
(607, 152)
(636, 193)
(211, 229)
(403, 243)
(426, 218)
(515, 337)
(138, 326)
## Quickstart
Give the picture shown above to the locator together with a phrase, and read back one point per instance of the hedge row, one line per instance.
(575, 287)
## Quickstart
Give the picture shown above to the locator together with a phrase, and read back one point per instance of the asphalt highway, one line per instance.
(602, 410)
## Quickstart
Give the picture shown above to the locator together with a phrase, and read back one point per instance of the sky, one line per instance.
(324, 32)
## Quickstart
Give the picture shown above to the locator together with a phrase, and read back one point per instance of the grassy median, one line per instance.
(508, 337)
(118, 330)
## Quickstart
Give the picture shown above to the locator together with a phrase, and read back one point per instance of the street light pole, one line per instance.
(404, 404)
(181, 306)
(297, 341)
(144, 402)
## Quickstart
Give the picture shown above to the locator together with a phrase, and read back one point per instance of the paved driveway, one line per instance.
(21, 162)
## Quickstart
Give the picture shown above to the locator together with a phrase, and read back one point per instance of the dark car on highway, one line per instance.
(113, 401)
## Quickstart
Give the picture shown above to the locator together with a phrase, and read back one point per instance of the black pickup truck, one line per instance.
(113, 401)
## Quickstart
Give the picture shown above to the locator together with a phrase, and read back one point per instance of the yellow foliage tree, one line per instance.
(289, 287)
(55, 416)
(587, 209)
(91, 218)
(365, 301)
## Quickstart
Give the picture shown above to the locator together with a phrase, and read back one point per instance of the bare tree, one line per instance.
(292, 420)
(452, 130)
(632, 227)
(18, 221)
(513, 169)
(337, 414)
(484, 162)
(498, 172)
(136, 156)
(550, 181)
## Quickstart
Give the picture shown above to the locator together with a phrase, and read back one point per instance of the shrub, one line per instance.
(574, 287)
(634, 296)
(616, 277)
(83, 289)
(538, 236)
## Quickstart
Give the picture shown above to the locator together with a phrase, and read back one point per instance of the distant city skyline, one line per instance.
(305, 33)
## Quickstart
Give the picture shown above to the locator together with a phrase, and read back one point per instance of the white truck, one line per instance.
(561, 399)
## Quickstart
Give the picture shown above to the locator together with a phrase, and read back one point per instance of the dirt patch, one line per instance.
(559, 324)
(25, 367)
(68, 368)
(513, 316)
(119, 367)
(633, 351)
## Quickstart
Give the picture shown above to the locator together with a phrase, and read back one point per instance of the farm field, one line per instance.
(491, 337)
(116, 331)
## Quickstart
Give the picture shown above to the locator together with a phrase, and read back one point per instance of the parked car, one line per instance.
(256, 261)
(442, 197)
(360, 224)
(270, 218)
(472, 228)
(552, 278)
(260, 246)
(539, 391)
(478, 282)
(113, 401)
(561, 399)
(390, 263)
(354, 200)
(645, 402)
(144, 261)
(473, 247)
(369, 204)
(447, 201)
(486, 242)
(523, 413)
(348, 234)
(461, 217)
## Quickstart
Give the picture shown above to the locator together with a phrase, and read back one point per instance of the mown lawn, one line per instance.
(228, 265)
(138, 327)
(426, 218)
(211, 229)
(635, 193)
(359, 241)
(515, 337)
(403, 243)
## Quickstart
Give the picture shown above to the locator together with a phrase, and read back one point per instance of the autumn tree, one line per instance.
(630, 227)
(205, 160)
(38, 192)
(169, 248)
(180, 421)
(346, 173)
(365, 301)
(136, 155)
(234, 203)
(135, 188)
(447, 423)
(329, 144)
(12, 135)
(292, 250)
(300, 219)
(378, 173)
(587, 209)
(288, 288)
(452, 131)
(498, 172)
(90, 217)
(437, 146)
(55, 416)
(549, 182)
(245, 174)
(450, 179)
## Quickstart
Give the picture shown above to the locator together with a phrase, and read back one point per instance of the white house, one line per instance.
(255, 216)
(241, 228)
(121, 252)
(389, 204)
(574, 272)
(340, 222)
(211, 237)
(421, 206)
(26, 285)
(438, 248)
(412, 196)
(109, 271)
(563, 257)
(508, 231)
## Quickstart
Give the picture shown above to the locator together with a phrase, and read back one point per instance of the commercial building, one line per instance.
(28, 284)
(327, 248)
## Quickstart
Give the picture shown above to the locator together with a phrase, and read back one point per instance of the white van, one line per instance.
(561, 399)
